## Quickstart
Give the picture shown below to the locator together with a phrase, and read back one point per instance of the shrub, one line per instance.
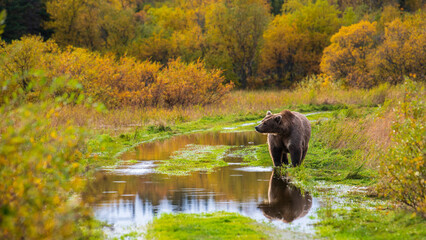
(403, 169)
(189, 84)
(40, 175)
(115, 82)
(19, 58)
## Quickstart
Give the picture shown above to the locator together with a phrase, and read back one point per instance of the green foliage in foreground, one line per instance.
(360, 223)
(194, 158)
(219, 225)
(40, 173)
(402, 168)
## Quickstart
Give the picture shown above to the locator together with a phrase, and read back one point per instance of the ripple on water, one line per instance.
(254, 169)
(141, 168)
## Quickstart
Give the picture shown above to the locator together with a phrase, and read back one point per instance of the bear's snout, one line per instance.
(257, 128)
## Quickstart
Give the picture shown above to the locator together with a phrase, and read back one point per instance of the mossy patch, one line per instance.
(218, 225)
(373, 223)
(254, 155)
(194, 158)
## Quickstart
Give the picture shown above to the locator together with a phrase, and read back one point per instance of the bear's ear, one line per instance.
(278, 118)
(268, 113)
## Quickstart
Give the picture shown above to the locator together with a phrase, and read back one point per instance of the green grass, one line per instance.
(218, 225)
(194, 158)
(361, 223)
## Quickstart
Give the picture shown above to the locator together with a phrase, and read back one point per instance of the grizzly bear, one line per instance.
(285, 202)
(288, 132)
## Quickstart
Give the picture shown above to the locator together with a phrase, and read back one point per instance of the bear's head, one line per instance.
(274, 123)
(270, 124)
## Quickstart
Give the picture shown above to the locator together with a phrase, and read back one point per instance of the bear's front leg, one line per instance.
(284, 158)
(276, 154)
(296, 155)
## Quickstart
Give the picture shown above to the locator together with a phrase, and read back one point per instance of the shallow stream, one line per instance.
(132, 194)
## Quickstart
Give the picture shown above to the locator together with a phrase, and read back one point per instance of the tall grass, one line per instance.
(238, 103)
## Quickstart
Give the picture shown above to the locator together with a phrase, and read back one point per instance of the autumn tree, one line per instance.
(234, 31)
(294, 41)
(347, 56)
(281, 57)
(403, 50)
(172, 31)
(188, 84)
(75, 22)
(119, 29)
(389, 13)
(157, 48)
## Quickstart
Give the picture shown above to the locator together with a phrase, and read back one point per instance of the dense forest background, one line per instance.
(256, 43)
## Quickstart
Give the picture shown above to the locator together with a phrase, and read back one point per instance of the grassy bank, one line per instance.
(373, 223)
(219, 225)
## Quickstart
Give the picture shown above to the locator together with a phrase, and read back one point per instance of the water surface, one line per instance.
(133, 194)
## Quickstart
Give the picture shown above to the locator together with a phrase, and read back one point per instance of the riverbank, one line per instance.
(340, 175)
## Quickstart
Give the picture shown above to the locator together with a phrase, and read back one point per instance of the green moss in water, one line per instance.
(254, 155)
(194, 158)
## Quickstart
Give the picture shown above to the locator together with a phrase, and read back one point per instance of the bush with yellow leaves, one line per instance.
(190, 84)
(40, 174)
(403, 169)
(115, 82)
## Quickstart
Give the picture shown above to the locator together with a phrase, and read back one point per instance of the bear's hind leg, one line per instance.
(304, 154)
(296, 155)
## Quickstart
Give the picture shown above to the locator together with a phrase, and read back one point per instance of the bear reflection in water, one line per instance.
(286, 202)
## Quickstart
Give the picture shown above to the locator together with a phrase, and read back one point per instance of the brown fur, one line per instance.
(288, 132)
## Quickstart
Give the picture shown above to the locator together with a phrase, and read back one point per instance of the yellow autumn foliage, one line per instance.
(402, 167)
(347, 56)
(403, 50)
(361, 57)
(115, 82)
(189, 84)
(40, 174)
